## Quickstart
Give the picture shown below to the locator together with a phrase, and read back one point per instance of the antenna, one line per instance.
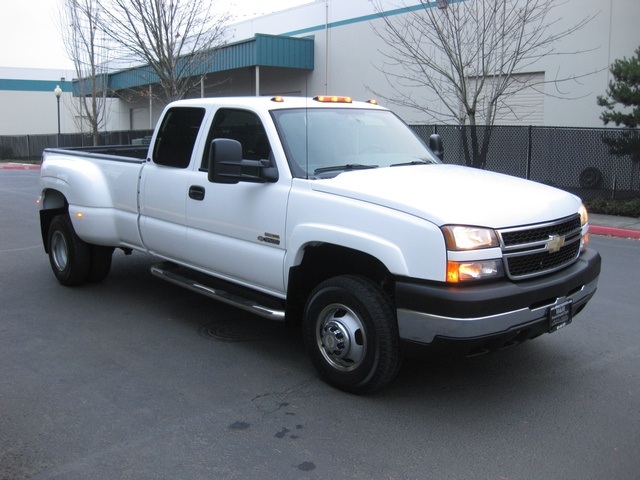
(306, 125)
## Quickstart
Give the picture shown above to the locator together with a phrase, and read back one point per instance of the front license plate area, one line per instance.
(559, 315)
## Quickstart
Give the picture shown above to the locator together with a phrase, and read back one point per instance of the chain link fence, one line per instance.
(574, 159)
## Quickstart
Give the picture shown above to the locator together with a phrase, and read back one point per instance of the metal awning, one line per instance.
(260, 51)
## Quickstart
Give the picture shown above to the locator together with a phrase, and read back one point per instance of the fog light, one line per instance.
(469, 271)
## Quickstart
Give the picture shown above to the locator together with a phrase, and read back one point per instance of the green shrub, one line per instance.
(624, 208)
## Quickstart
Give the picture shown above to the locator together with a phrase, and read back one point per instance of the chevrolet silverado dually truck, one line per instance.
(328, 212)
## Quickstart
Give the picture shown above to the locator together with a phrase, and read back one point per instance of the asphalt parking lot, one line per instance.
(135, 378)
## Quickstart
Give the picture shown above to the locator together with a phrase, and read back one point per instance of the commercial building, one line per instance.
(331, 47)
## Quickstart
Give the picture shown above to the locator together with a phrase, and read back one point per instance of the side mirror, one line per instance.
(226, 164)
(225, 161)
(435, 144)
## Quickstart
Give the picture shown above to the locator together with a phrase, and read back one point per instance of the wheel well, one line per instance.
(53, 204)
(53, 199)
(324, 261)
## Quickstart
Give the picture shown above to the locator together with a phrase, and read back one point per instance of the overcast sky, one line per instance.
(29, 34)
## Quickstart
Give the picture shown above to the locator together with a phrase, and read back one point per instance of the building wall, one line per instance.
(611, 35)
(28, 105)
(348, 59)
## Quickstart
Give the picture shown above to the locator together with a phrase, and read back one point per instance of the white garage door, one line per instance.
(522, 104)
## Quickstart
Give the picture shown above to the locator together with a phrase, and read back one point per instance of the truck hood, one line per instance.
(450, 194)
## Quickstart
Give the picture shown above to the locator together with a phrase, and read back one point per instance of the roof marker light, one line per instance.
(332, 99)
(372, 101)
(277, 99)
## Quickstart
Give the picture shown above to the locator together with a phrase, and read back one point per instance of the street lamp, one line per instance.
(58, 92)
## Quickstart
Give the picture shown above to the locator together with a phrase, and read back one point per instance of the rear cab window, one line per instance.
(177, 136)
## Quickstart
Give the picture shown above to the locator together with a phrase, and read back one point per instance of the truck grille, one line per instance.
(535, 250)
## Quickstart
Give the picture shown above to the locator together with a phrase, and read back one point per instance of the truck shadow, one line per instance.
(447, 376)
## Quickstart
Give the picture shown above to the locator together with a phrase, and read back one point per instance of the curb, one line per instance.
(19, 166)
(614, 232)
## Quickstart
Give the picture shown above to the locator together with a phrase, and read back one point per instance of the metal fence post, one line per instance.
(529, 153)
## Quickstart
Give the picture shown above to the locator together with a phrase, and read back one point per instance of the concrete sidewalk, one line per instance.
(614, 226)
(610, 225)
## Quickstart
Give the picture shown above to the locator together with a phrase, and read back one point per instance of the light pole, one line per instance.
(58, 92)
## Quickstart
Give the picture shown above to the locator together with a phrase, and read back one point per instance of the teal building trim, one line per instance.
(363, 18)
(13, 85)
(368, 18)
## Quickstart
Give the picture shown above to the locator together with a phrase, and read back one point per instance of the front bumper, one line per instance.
(427, 312)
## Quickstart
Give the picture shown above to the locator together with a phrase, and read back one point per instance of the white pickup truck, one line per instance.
(330, 212)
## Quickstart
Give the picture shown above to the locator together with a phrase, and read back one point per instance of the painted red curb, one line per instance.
(6, 166)
(614, 232)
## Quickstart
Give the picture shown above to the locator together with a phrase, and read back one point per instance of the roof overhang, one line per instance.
(261, 50)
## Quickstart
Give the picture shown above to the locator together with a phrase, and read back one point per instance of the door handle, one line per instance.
(196, 192)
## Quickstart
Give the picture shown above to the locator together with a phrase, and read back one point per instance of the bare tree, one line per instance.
(175, 38)
(474, 55)
(87, 50)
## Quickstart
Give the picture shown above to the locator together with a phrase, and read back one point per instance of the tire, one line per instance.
(70, 257)
(100, 263)
(351, 333)
(590, 177)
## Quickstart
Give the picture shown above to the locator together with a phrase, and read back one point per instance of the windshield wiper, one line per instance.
(413, 162)
(349, 166)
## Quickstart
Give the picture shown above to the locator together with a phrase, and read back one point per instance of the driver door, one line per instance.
(237, 231)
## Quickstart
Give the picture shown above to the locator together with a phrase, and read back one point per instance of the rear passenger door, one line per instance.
(237, 231)
(164, 183)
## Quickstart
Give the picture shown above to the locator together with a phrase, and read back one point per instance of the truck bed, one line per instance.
(122, 153)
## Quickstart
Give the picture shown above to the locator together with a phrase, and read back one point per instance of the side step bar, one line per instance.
(168, 271)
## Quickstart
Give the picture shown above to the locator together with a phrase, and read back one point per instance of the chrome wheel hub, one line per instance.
(59, 251)
(341, 338)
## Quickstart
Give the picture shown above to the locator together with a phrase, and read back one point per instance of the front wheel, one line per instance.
(70, 257)
(351, 333)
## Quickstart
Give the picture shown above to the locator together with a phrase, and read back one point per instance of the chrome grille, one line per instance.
(535, 250)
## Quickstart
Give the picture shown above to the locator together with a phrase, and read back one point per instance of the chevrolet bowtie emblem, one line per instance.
(555, 243)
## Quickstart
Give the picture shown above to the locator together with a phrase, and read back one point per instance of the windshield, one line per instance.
(324, 142)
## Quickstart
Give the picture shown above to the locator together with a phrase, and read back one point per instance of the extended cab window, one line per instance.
(243, 126)
(177, 136)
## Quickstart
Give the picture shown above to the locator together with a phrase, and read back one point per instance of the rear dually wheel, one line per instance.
(70, 257)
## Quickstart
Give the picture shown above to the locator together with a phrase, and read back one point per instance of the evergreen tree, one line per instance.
(623, 91)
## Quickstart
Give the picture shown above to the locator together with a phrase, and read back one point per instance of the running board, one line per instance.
(167, 271)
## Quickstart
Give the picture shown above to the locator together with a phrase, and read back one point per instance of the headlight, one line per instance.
(584, 216)
(464, 238)
(479, 270)
(584, 221)
(460, 237)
